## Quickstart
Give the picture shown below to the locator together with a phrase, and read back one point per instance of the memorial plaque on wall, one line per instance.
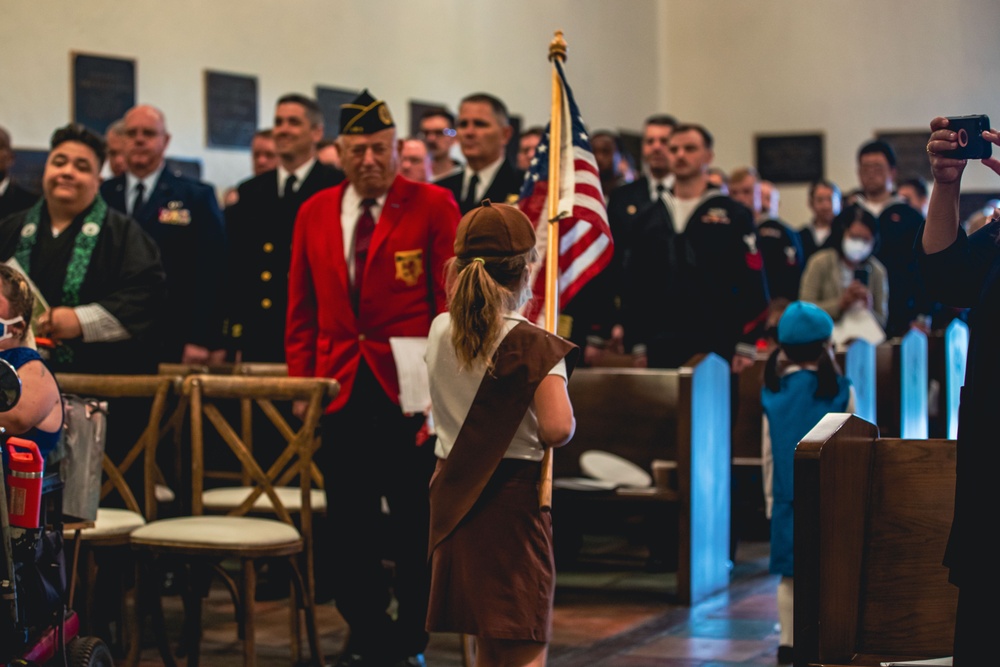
(911, 152)
(329, 100)
(190, 167)
(103, 90)
(230, 110)
(28, 167)
(790, 158)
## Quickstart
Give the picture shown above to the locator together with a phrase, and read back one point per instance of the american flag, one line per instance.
(585, 244)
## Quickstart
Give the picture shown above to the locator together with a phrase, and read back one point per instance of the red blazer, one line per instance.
(402, 291)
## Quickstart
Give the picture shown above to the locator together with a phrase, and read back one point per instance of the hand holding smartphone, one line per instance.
(969, 131)
(861, 274)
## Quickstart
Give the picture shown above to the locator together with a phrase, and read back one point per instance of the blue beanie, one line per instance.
(804, 322)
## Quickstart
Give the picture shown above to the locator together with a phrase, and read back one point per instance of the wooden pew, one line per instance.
(659, 414)
(946, 352)
(858, 365)
(901, 381)
(872, 517)
(956, 349)
(749, 519)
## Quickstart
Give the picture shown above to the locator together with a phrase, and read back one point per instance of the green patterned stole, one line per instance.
(83, 248)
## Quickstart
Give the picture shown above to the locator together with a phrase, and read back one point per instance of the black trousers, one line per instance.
(369, 452)
(975, 625)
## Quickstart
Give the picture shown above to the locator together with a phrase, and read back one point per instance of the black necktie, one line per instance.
(470, 202)
(289, 186)
(140, 189)
(362, 240)
(660, 189)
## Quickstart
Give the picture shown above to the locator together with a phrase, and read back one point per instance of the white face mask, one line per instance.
(857, 250)
(5, 330)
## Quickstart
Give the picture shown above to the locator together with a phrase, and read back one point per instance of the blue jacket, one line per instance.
(183, 216)
(791, 413)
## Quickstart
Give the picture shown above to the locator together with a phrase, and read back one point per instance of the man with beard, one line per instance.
(437, 129)
(694, 281)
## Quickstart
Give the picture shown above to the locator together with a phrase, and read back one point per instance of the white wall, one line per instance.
(431, 50)
(845, 68)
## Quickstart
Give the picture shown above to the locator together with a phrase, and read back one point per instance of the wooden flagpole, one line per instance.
(557, 50)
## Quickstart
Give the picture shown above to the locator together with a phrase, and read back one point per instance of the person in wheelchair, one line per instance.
(38, 415)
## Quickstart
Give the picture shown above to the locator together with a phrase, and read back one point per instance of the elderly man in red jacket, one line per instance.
(367, 265)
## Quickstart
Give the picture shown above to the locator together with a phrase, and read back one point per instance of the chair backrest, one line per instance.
(209, 396)
(259, 369)
(157, 388)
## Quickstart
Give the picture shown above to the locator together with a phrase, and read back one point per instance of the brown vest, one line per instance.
(521, 362)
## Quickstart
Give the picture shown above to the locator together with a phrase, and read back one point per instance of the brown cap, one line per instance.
(494, 230)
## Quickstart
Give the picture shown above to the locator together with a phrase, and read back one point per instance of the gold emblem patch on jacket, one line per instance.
(409, 266)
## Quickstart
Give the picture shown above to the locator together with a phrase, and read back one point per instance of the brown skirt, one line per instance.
(494, 576)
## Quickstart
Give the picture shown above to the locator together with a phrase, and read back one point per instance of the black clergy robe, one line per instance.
(124, 276)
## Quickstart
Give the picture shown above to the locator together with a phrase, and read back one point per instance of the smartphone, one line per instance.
(861, 275)
(971, 145)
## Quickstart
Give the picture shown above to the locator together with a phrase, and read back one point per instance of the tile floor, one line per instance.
(607, 612)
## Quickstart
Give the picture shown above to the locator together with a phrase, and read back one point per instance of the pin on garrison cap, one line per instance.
(804, 322)
(364, 115)
(494, 230)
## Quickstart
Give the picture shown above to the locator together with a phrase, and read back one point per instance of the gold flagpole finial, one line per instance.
(557, 47)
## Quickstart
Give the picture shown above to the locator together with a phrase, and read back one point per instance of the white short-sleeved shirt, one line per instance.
(453, 391)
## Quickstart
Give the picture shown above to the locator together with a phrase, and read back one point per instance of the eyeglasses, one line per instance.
(446, 132)
(5, 325)
(146, 132)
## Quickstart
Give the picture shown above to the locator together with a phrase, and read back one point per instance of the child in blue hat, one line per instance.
(802, 383)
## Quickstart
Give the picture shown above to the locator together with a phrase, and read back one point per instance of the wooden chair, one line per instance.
(107, 537)
(177, 455)
(255, 412)
(872, 518)
(262, 526)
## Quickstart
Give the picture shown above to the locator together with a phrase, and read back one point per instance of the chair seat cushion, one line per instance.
(217, 531)
(227, 497)
(110, 522)
(163, 493)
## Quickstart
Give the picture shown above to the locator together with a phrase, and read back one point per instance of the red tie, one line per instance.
(362, 240)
